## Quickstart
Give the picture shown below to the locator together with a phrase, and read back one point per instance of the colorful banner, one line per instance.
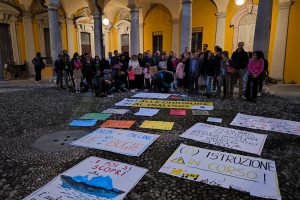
(178, 112)
(267, 124)
(117, 124)
(226, 137)
(120, 141)
(232, 171)
(96, 116)
(92, 179)
(145, 95)
(147, 112)
(144, 103)
(157, 125)
(83, 123)
(116, 111)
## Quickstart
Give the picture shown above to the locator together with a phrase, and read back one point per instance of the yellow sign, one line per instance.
(146, 103)
(178, 160)
(157, 125)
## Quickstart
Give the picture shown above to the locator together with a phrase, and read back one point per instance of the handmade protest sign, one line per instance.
(117, 124)
(157, 125)
(226, 137)
(116, 111)
(147, 112)
(178, 112)
(200, 112)
(214, 120)
(145, 95)
(131, 143)
(96, 116)
(150, 103)
(92, 179)
(248, 174)
(83, 123)
(268, 124)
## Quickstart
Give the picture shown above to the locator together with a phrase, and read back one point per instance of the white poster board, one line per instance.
(226, 137)
(145, 95)
(148, 112)
(120, 141)
(254, 175)
(268, 124)
(127, 102)
(92, 179)
(115, 111)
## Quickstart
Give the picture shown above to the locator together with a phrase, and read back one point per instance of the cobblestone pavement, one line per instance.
(29, 111)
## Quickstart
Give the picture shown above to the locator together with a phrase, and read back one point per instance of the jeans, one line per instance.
(193, 78)
(221, 82)
(229, 85)
(208, 84)
(66, 77)
(240, 77)
(254, 81)
(38, 73)
(245, 79)
(59, 78)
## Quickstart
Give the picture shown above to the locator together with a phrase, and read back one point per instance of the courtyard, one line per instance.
(35, 137)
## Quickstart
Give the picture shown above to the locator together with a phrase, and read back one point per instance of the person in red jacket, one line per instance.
(255, 70)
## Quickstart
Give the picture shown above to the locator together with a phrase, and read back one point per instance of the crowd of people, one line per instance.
(210, 73)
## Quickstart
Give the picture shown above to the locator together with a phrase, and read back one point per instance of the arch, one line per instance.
(158, 19)
(236, 19)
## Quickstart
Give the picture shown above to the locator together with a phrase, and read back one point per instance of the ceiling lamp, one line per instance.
(105, 22)
(240, 2)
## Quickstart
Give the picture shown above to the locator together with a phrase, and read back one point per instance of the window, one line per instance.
(157, 39)
(6, 51)
(47, 46)
(197, 35)
(124, 43)
(85, 42)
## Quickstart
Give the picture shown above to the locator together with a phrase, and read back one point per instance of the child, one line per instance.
(147, 76)
(131, 78)
(180, 75)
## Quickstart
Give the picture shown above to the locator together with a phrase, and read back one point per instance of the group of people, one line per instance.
(206, 72)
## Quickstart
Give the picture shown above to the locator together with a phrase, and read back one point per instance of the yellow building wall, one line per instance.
(292, 66)
(22, 42)
(204, 16)
(64, 39)
(75, 40)
(158, 19)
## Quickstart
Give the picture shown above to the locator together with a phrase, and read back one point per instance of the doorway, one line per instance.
(124, 43)
(86, 42)
(6, 49)
(157, 41)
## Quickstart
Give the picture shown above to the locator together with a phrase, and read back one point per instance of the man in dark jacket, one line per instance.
(59, 66)
(240, 60)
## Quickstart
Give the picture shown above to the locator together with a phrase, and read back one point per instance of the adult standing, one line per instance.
(77, 74)
(59, 66)
(138, 71)
(89, 71)
(38, 66)
(240, 60)
(194, 73)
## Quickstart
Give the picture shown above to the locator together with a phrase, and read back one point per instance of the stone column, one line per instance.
(98, 33)
(29, 40)
(221, 25)
(134, 30)
(141, 27)
(175, 35)
(263, 27)
(70, 36)
(54, 30)
(279, 50)
(186, 25)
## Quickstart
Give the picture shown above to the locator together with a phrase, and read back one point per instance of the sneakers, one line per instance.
(259, 94)
(110, 95)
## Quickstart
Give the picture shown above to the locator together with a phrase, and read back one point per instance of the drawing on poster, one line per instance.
(160, 125)
(145, 95)
(151, 103)
(226, 137)
(116, 111)
(248, 174)
(83, 123)
(147, 112)
(96, 116)
(267, 124)
(92, 179)
(117, 124)
(131, 143)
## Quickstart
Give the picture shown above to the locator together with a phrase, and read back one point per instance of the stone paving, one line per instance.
(29, 111)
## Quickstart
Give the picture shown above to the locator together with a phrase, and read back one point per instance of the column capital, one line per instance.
(52, 5)
(141, 25)
(221, 14)
(27, 15)
(284, 5)
(133, 7)
(96, 14)
(175, 21)
(69, 21)
(187, 1)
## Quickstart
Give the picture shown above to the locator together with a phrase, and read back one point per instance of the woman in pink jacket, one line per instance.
(255, 69)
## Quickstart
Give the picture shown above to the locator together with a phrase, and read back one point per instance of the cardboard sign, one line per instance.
(145, 95)
(83, 123)
(268, 124)
(96, 116)
(226, 137)
(157, 125)
(248, 174)
(117, 124)
(120, 141)
(147, 112)
(92, 179)
(200, 112)
(116, 111)
(178, 112)
(149, 103)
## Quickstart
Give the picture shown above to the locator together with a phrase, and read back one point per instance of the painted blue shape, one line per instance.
(83, 123)
(98, 186)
